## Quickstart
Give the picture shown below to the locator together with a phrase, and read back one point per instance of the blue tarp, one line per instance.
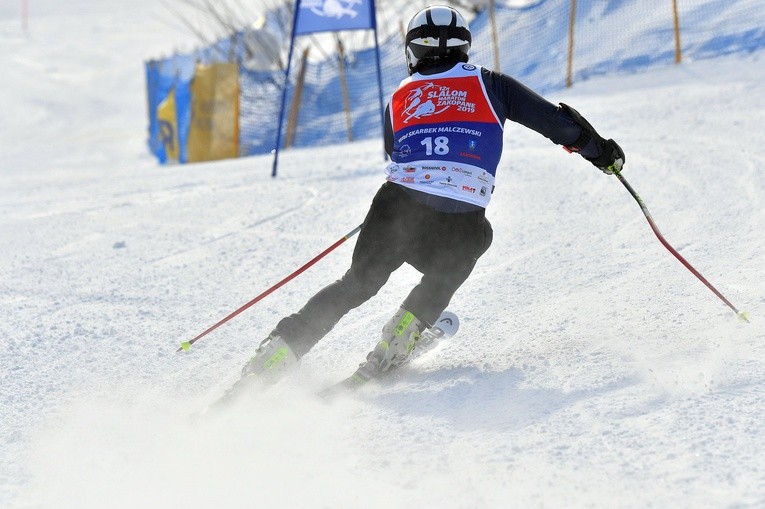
(162, 76)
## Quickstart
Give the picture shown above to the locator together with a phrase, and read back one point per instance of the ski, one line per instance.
(445, 327)
(232, 393)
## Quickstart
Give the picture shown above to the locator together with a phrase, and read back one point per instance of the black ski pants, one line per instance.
(398, 229)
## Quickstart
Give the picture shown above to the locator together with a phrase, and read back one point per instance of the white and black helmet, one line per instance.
(435, 34)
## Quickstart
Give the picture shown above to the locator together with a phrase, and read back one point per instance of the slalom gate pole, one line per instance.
(187, 344)
(743, 315)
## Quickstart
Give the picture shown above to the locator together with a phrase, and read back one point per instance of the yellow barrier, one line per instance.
(214, 130)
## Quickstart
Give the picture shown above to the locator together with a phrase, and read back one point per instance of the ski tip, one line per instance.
(448, 316)
(448, 322)
(184, 346)
(743, 316)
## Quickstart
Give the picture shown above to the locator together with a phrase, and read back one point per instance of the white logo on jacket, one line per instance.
(431, 99)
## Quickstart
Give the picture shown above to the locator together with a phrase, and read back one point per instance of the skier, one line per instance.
(444, 146)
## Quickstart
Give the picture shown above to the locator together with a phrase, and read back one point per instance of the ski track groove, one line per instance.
(263, 221)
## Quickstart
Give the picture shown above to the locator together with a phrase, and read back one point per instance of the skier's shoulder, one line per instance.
(495, 80)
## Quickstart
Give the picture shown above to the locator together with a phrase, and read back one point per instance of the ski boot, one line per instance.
(399, 338)
(271, 360)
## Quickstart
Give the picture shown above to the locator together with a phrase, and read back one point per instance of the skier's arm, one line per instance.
(562, 124)
(610, 155)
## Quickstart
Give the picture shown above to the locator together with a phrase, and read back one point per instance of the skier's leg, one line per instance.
(419, 311)
(444, 270)
(376, 255)
(434, 292)
(294, 335)
(445, 247)
(302, 330)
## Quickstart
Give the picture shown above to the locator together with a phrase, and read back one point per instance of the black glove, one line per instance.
(611, 157)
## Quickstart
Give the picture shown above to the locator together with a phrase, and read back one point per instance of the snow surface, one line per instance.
(591, 370)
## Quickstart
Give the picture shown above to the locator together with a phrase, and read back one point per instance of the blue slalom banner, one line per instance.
(333, 15)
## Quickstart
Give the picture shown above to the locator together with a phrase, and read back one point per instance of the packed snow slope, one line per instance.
(591, 369)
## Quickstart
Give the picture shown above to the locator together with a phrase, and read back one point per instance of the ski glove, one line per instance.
(611, 157)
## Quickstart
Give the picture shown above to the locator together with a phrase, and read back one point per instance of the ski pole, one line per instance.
(187, 344)
(743, 315)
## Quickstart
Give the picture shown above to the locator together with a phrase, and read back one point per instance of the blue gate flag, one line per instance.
(332, 15)
(313, 16)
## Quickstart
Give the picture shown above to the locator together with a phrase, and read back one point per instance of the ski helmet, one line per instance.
(435, 34)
